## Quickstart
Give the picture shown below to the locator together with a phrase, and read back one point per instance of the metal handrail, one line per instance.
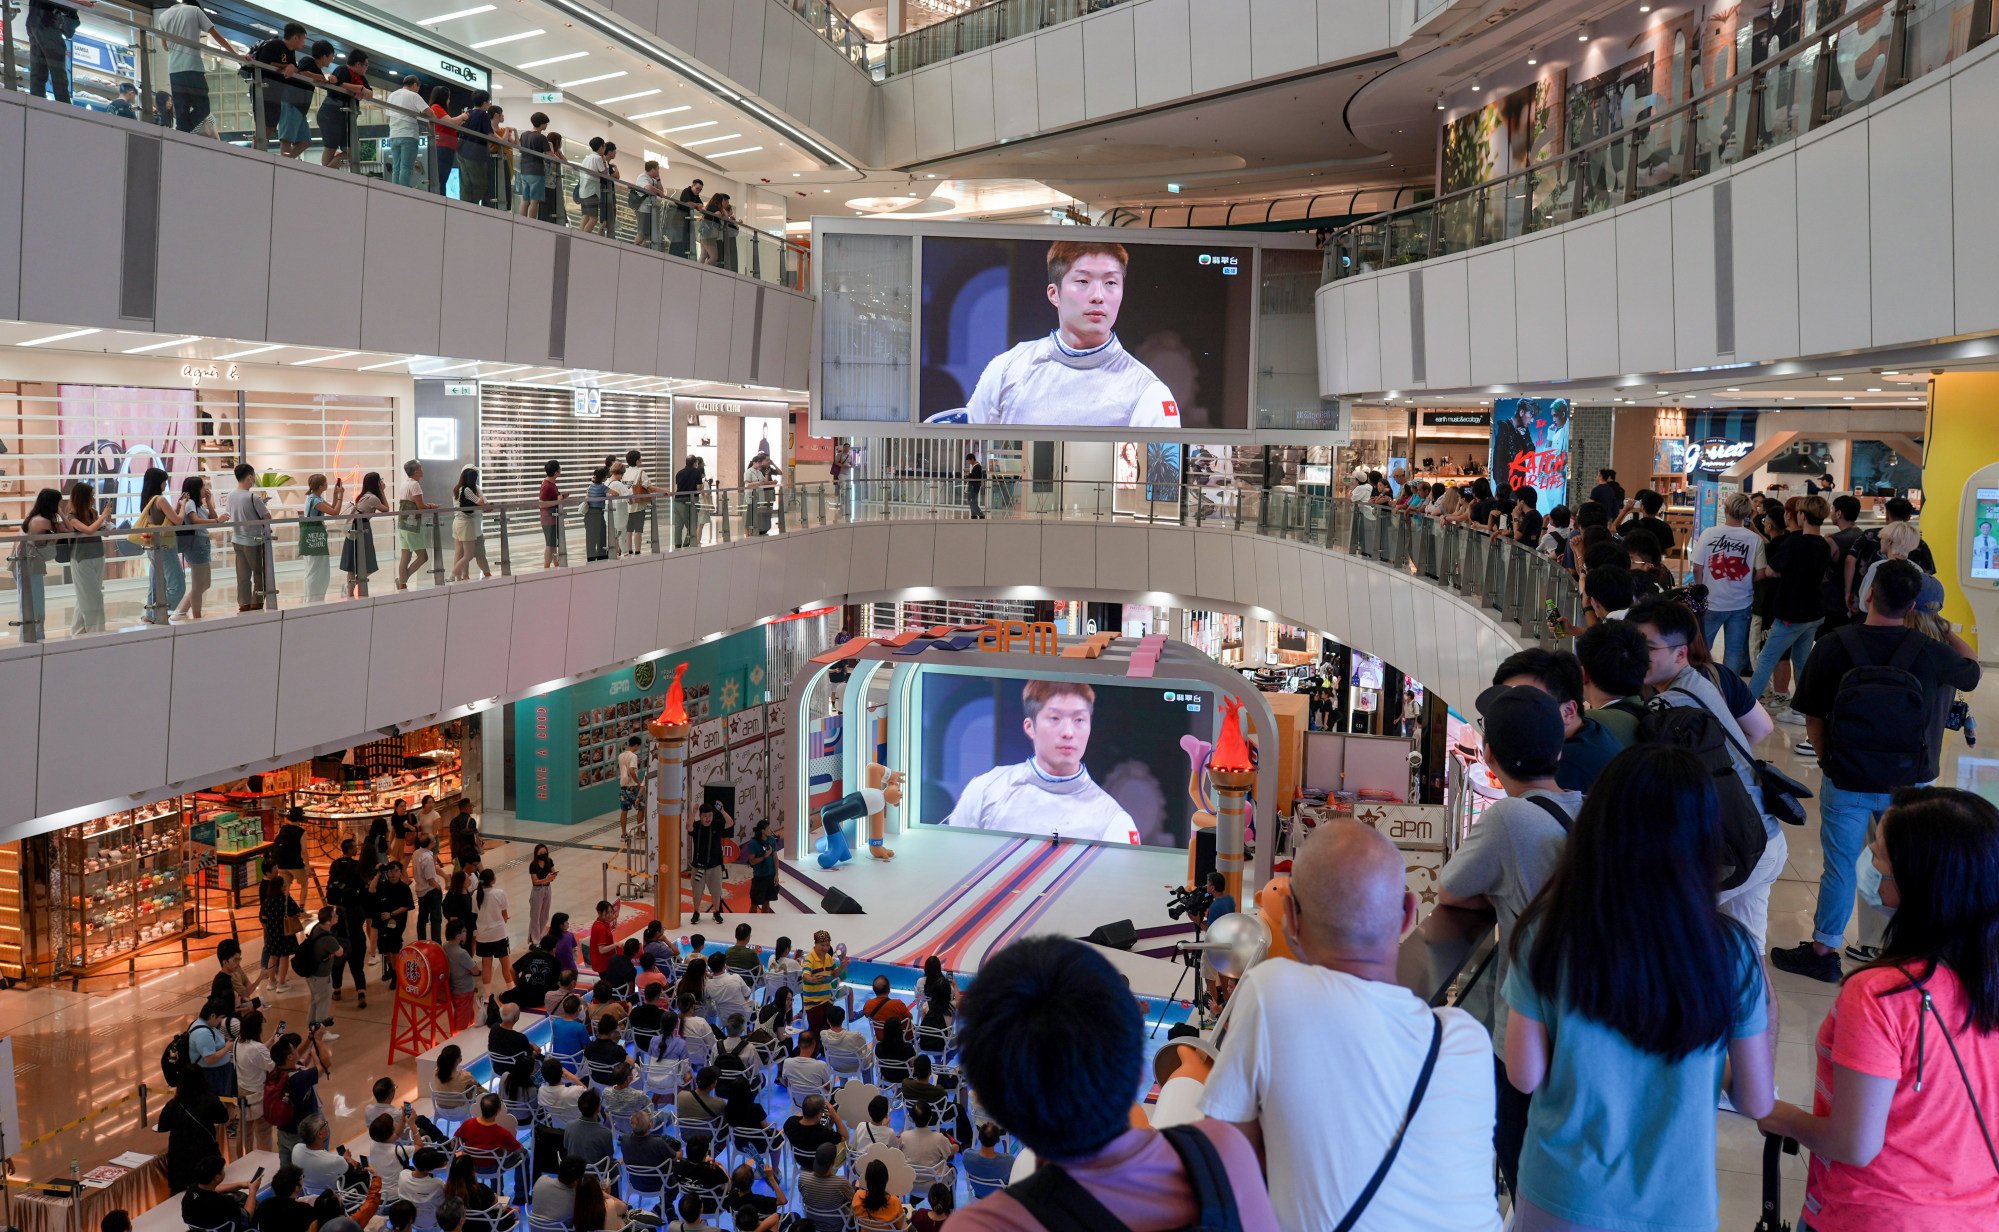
(261, 78)
(1819, 43)
(905, 51)
(1505, 577)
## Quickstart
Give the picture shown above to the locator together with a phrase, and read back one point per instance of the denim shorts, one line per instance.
(292, 126)
(530, 187)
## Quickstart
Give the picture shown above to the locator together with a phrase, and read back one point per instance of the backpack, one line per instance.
(1058, 1203)
(174, 1059)
(1696, 729)
(1879, 730)
(306, 961)
(1865, 551)
(249, 71)
(278, 1109)
(732, 1062)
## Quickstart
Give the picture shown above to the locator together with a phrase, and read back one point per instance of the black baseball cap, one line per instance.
(1523, 728)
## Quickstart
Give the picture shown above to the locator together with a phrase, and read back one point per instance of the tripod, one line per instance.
(1190, 965)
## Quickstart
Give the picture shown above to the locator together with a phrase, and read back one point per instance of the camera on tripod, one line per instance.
(1190, 901)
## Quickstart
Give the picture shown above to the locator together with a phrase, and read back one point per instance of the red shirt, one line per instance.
(447, 138)
(603, 944)
(483, 1137)
(1932, 1171)
(551, 493)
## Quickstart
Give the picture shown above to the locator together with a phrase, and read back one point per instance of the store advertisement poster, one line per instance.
(1985, 534)
(113, 434)
(566, 743)
(1530, 446)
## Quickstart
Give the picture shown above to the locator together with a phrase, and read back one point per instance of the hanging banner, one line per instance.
(1530, 446)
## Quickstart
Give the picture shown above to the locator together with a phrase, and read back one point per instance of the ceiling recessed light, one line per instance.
(568, 55)
(407, 359)
(1873, 389)
(688, 128)
(455, 14)
(63, 337)
(1533, 55)
(161, 346)
(626, 98)
(825, 190)
(482, 44)
(1735, 389)
(748, 149)
(1474, 85)
(1440, 102)
(712, 140)
(590, 81)
(320, 359)
(1835, 378)
(1889, 372)
(648, 115)
(257, 350)
(1847, 398)
(796, 174)
(1582, 33)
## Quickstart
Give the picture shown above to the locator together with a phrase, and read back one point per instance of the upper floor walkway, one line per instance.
(132, 224)
(1827, 201)
(328, 652)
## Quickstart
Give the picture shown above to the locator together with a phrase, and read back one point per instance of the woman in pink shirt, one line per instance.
(1906, 1100)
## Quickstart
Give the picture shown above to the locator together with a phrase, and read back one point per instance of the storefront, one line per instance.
(523, 427)
(107, 419)
(123, 893)
(566, 742)
(726, 433)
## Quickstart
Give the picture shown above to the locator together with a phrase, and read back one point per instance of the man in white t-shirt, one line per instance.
(589, 185)
(1051, 792)
(1726, 558)
(630, 781)
(187, 22)
(1337, 1021)
(635, 517)
(1078, 375)
(410, 530)
(405, 105)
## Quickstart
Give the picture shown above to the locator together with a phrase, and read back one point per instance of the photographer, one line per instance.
(213, 1202)
(1220, 901)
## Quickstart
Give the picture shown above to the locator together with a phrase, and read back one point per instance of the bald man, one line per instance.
(1323, 1056)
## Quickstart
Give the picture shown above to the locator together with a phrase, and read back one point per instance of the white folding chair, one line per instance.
(711, 1195)
(665, 1077)
(847, 1059)
(760, 1143)
(829, 1219)
(648, 1183)
(863, 1224)
(450, 1109)
(714, 1129)
(980, 1189)
(607, 1172)
(537, 1224)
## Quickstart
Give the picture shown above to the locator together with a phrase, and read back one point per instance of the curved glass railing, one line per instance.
(979, 28)
(845, 37)
(1844, 65)
(122, 577)
(201, 89)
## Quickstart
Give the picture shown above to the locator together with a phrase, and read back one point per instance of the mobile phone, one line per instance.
(406, 1108)
(257, 1176)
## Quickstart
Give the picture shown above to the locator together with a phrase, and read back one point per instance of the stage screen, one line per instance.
(1082, 332)
(1080, 759)
(1530, 445)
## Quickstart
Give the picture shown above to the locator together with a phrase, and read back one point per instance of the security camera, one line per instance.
(1415, 759)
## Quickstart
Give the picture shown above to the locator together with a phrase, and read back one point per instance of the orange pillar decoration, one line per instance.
(1233, 773)
(669, 733)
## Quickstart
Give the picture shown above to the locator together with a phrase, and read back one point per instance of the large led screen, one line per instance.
(1064, 332)
(1093, 759)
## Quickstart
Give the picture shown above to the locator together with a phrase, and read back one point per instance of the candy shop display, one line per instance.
(121, 882)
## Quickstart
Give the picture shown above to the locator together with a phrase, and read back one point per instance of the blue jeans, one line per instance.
(1843, 820)
(402, 160)
(1785, 638)
(1736, 626)
(166, 586)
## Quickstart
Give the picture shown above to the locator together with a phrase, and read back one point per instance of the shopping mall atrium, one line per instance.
(1518, 483)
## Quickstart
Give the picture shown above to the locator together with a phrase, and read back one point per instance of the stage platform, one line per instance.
(962, 896)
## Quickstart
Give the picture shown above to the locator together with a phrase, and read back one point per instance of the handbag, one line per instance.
(144, 520)
(312, 538)
(294, 922)
(1781, 793)
(408, 524)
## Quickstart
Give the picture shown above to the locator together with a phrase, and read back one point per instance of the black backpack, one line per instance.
(1879, 730)
(175, 1059)
(1696, 729)
(1059, 1204)
(306, 961)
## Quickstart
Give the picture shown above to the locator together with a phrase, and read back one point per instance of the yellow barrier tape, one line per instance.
(92, 1115)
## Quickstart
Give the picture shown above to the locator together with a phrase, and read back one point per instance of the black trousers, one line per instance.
(1509, 1127)
(48, 62)
(354, 935)
(430, 917)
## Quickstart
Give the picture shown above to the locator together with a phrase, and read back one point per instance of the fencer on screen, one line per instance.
(1051, 792)
(1080, 375)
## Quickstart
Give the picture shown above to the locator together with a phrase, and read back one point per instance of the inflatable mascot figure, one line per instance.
(884, 788)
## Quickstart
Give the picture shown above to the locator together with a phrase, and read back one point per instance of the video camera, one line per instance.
(1960, 719)
(1190, 901)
